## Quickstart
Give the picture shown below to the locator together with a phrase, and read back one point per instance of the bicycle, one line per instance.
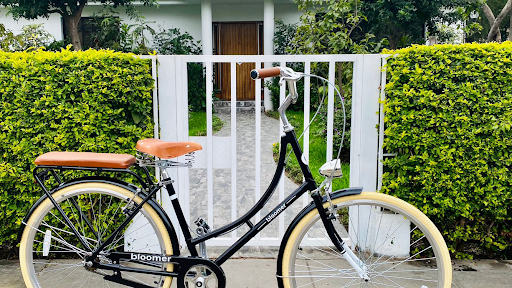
(100, 230)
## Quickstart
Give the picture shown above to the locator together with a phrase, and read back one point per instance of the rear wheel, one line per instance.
(398, 245)
(52, 256)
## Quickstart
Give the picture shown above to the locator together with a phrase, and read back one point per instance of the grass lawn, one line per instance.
(197, 123)
(317, 150)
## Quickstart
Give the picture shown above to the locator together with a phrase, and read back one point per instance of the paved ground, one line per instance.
(260, 273)
(245, 130)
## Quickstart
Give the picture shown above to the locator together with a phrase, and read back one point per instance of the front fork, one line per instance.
(327, 217)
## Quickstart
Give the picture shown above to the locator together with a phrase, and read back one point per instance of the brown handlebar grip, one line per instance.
(266, 72)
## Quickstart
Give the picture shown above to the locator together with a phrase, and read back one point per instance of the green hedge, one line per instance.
(449, 118)
(96, 101)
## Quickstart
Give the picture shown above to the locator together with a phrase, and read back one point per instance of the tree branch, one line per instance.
(56, 10)
(496, 25)
(79, 10)
(490, 17)
(488, 14)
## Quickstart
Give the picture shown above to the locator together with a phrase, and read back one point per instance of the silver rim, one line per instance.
(64, 266)
(396, 249)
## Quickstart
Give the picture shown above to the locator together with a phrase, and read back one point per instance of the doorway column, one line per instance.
(206, 26)
(268, 42)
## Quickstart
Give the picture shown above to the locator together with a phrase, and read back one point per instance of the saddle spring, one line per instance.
(147, 160)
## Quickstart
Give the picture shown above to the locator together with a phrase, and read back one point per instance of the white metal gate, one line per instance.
(171, 121)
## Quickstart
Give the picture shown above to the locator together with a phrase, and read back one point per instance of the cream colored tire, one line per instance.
(308, 259)
(32, 261)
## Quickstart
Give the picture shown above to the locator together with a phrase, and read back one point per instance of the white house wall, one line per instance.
(237, 13)
(254, 12)
(185, 17)
(289, 13)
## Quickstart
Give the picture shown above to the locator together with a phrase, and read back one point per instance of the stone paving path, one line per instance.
(245, 130)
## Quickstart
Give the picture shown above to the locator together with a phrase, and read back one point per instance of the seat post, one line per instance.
(167, 182)
(179, 212)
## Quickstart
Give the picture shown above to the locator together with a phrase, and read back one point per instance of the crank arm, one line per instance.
(118, 279)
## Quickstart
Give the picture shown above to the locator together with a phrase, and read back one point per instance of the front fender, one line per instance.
(305, 211)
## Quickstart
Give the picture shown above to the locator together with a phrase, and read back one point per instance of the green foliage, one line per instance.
(196, 87)
(197, 123)
(286, 43)
(327, 27)
(134, 36)
(449, 119)
(108, 35)
(113, 33)
(32, 9)
(70, 11)
(448, 34)
(284, 37)
(7, 39)
(173, 42)
(97, 101)
(403, 22)
(31, 37)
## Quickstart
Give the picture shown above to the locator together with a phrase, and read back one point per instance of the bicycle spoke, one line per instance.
(61, 241)
(378, 244)
(124, 235)
(405, 235)
(80, 224)
(67, 252)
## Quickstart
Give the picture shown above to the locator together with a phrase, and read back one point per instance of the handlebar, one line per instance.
(290, 77)
(265, 72)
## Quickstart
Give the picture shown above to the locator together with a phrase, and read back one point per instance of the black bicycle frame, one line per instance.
(309, 185)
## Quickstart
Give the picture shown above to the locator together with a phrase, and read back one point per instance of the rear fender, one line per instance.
(107, 180)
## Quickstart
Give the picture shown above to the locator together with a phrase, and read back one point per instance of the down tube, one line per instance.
(263, 223)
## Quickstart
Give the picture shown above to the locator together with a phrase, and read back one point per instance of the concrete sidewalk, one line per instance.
(260, 273)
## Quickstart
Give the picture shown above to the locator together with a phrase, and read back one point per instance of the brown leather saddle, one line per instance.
(155, 147)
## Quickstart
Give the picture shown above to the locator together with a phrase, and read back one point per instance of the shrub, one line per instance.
(97, 101)
(449, 118)
(32, 36)
(174, 42)
(7, 39)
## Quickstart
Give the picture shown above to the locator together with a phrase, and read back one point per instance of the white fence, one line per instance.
(171, 119)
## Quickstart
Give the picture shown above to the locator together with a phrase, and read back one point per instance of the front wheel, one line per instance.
(398, 246)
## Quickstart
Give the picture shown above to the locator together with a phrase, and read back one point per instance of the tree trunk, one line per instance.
(393, 41)
(490, 17)
(496, 25)
(510, 27)
(72, 30)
